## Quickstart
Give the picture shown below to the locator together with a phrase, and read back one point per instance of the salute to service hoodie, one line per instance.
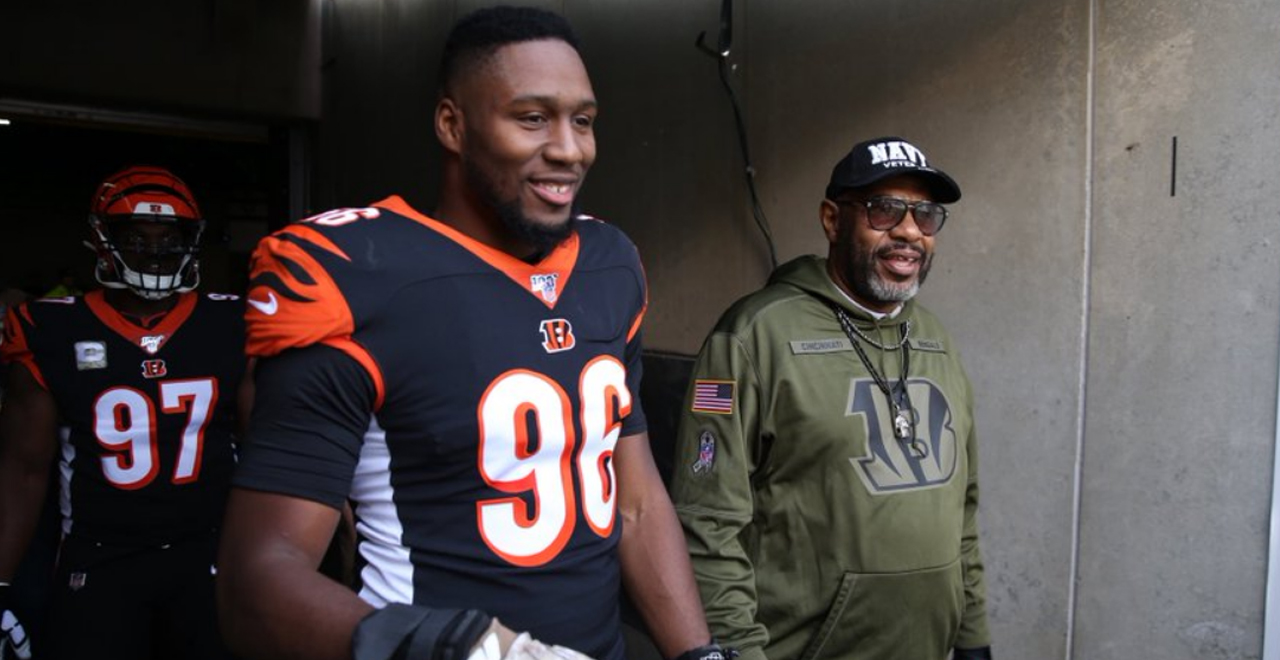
(814, 531)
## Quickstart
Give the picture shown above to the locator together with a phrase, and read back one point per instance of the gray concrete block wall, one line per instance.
(1179, 424)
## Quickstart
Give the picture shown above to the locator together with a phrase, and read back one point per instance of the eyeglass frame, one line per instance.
(906, 206)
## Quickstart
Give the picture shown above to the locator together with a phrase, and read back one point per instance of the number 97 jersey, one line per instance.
(147, 414)
(497, 391)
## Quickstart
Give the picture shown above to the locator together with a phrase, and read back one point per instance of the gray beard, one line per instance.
(868, 284)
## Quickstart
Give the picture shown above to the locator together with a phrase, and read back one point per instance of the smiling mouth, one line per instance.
(903, 263)
(555, 194)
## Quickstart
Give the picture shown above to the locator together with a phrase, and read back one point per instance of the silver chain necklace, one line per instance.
(904, 414)
(847, 324)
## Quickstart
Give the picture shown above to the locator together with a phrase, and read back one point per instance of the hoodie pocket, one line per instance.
(895, 616)
(833, 618)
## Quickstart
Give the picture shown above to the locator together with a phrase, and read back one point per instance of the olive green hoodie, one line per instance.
(814, 532)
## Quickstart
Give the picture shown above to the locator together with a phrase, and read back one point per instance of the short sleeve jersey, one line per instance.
(147, 415)
(497, 389)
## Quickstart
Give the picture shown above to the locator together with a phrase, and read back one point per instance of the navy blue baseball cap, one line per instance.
(881, 158)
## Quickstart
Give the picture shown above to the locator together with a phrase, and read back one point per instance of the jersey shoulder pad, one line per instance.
(605, 241)
(19, 324)
(293, 300)
(13, 344)
(603, 247)
(48, 312)
(341, 217)
(224, 311)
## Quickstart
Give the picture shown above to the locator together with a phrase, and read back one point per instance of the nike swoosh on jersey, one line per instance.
(268, 307)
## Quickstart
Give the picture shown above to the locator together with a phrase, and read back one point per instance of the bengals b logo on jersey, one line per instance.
(557, 335)
(154, 369)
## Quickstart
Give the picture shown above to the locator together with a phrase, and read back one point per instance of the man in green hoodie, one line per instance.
(826, 466)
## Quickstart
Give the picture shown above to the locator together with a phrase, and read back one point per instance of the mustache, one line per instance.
(898, 246)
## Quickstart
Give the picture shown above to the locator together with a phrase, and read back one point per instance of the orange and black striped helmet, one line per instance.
(146, 194)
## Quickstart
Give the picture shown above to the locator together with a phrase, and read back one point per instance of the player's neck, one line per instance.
(464, 210)
(143, 312)
(484, 227)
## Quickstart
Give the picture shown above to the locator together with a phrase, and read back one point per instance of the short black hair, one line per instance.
(478, 35)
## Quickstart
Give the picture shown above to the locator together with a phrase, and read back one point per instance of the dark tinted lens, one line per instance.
(885, 212)
(929, 217)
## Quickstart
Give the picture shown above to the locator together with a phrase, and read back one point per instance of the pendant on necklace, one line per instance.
(904, 431)
(901, 426)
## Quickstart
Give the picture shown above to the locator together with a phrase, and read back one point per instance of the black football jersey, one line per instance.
(498, 391)
(147, 415)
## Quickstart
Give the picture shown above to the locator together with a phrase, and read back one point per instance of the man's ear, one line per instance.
(449, 129)
(829, 214)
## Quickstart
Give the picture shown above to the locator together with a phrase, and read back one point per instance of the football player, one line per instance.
(470, 380)
(133, 388)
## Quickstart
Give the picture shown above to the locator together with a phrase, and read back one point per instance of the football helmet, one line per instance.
(146, 231)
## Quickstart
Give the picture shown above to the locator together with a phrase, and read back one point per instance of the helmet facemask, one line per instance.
(153, 257)
(146, 232)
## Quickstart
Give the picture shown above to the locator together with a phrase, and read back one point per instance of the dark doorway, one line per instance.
(50, 166)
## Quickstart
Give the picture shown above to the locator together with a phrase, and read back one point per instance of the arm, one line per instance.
(714, 500)
(309, 417)
(28, 443)
(271, 600)
(309, 414)
(339, 559)
(655, 563)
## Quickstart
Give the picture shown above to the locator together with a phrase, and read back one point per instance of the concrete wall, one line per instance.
(1183, 303)
(1122, 339)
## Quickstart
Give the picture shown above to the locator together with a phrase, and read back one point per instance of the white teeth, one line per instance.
(557, 188)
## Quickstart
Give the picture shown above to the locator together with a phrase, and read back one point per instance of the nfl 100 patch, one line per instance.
(713, 396)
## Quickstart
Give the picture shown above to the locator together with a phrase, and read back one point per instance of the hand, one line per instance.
(14, 643)
(983, 653)
(502, 643)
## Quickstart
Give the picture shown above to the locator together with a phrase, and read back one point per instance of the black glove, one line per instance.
(14, 644)
(983, 653)
(712, 651)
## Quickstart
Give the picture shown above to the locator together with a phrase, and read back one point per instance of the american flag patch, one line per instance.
(713, 396)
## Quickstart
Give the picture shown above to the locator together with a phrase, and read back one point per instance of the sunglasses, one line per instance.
(885, 213)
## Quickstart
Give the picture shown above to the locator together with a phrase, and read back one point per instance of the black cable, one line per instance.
(722, 59)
